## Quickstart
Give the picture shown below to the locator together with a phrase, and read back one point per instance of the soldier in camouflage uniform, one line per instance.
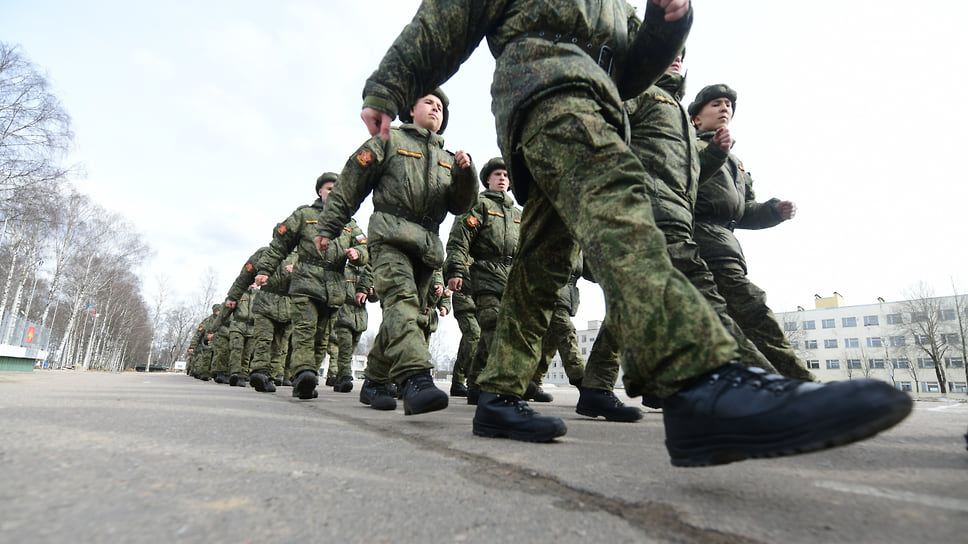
(200, 348)
(220, 344)
(414, 182)
(470, 333)
(272, 328)
(241, 338)
(332, 350)
(316, 288)
(562, 338)
(351, 322)
(438, 305)
(561, 74)
(487, 237)
(727, 201)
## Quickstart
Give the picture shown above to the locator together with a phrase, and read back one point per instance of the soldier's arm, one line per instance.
(463, 189)
(359, 244)
(359, 176)
(655, 44)
(711, 159)
(245, 277)
(285, 238)
(462, 234)
(758, 215)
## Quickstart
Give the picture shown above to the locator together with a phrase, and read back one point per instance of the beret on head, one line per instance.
(710, 93)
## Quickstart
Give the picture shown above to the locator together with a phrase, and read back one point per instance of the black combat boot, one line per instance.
(261, 383)
(376, 395)
(473, 394)
(330, 380)
(280, 379)
(236, 380)
(343, 385)
(457, 389)
(601, 402)
(420, 395)
(733, 413)
(220, 377)
(540, 395)
(304, 385)
(508, 416)
(204, 377)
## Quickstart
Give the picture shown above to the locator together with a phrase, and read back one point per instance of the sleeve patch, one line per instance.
(361, 238)
(281, 229)
(445, 164)
(406, 153)
(365, 157)
(472, 221)
(249, 267)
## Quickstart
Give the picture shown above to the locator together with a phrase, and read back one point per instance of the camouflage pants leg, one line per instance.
(220, 356)
(332, 348)
(236, 355)
(470, 336)
(561, 338)
(746, 303)
(487, 309)
(601, 370)
(262, 333)
(204, 364)
(399, 349)
(347, 339)
(588, 189)
(310, 334)
(684, 254)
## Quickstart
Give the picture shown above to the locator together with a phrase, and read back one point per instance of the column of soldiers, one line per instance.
(616, 185)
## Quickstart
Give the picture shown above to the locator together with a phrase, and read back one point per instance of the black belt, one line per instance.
(602, 54)
(425, 221)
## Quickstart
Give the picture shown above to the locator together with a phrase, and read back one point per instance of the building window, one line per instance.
(848, 321)
(809, 325)
(905, 386)
(954, 362)
(795, 344)
(876, 363)
(809, 344)
(925, 363)
(854, 363)
(917, 317)
(789, 325)
(897, 341)
(833, 364)
(584, 351)
(957, 387)
(584, 339)
(922, 339)
(894, 319)
(900, 363)
(830, 343)
(870, 320)
(930, 387)
(947, 315)
(828, 323)
(813, 364)
(951, 338)
(851, 342)
(874, 342)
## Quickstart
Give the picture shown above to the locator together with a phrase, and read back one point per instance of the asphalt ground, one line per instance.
(130, 457)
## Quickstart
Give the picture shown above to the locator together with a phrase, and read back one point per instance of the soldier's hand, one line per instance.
(191, 351)
(229, 303)
(210, 336)
(443, 312)
(360, 299)
(322, 243)
(261, 280)
(352, 254)
(674, 9)
(438, 290)
(289, 267)
(785, 209)
(376, 121)
(723, 139)
(463, 159)
(455, 284)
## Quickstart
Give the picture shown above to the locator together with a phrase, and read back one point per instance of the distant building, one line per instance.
(586, 339)
(886, 341)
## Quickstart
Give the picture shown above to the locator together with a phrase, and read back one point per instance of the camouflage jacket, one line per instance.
(664, 140)
(246, 276)
(429, 319)
(486, 236)
(727, 202)
(273, 300)
(414, 182)
(314, 275)
(242, 317)
(568, 295)
(540, 47)
(350, 315)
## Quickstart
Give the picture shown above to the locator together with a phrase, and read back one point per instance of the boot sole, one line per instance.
(306, 390)
(721, 450)
(435, 405)
(491, 431)
(596, 413)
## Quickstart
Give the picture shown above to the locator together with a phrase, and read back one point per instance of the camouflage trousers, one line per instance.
(400, 346)
(332, 348)
(203, 360)
(346, 339)
(270, 345)
(487, 308)
(241, 346)
(587, 191)
(310, 333)
(561, 338)
(746, 303)
(470, 335)
(220, 354)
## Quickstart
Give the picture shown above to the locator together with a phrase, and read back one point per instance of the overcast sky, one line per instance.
(207, 122)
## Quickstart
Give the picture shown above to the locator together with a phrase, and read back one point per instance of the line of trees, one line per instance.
(66, 263)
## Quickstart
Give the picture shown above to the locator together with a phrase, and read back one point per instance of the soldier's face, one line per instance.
(325, 189)
(428, 113)
(676, 67)
(716, 113)
(498, 180)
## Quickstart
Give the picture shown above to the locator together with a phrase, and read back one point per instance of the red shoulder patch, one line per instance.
(281, 229)
(249, 267)
(472, 221)
(365, 157)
